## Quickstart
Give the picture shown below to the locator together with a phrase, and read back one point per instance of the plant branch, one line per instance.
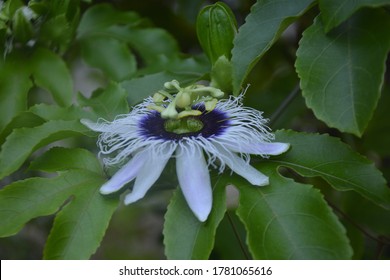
(381, 241)
(287, 101)
(237, 236)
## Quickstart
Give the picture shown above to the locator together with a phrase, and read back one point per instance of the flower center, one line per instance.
(181, 100)
(183, 125)
(207, 124)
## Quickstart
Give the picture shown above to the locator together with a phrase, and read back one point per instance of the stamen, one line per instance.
(158, 97)
(156, 108)
(210, 105)
(215, 92)
(188, 113)
(170, 112)
(172, 85)
(184, 99)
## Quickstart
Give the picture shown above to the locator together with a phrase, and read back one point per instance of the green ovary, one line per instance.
(183, 125)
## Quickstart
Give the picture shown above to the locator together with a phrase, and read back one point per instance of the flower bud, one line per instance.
(216, 27)
(221, 74)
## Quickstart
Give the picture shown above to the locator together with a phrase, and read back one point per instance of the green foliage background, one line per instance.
(318, 70)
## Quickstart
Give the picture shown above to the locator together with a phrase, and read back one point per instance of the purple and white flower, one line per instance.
(144, 140)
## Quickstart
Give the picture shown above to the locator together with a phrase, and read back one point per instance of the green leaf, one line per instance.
(80, 226)
(233, 232)
(62, 159)
(107, 103)
(22, 27)
(334, 12)
(185, 237)
(38, 114)
(101, 16)
(367, 214)
(11, 6)
(54, 112)
(262, 27)
(342, 72)
(140, 88)
(34, 197)
(38, 7)
(51, 73)
(63, 6)
(288, 220)
(24, 119)
(14, 86)
(110, 55)
(56, 30)
(313, 155)
(182, 65)
(23, 141)
(150, 43)
(377, 136)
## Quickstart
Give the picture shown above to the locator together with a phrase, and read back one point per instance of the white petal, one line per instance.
(243, 168)
(194, 179)
(124, 175)
(273, 149)
(148, 175)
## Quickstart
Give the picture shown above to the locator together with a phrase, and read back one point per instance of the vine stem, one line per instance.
(237, 235)
(279, 111)
(381, 242)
